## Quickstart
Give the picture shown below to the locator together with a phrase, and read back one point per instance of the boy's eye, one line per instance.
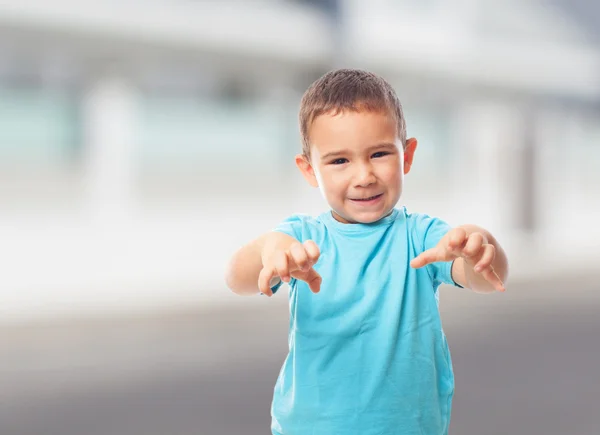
(381, 154)
(338, 161)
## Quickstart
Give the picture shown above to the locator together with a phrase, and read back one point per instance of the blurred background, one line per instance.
(142, 142)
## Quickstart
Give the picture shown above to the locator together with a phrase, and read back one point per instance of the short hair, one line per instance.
(348, 90)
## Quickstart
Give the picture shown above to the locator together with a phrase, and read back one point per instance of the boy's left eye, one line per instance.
(381, 154)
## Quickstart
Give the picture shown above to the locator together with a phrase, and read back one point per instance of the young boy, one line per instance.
(367, 354)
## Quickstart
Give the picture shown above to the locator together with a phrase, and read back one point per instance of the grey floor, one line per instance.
(525, 363)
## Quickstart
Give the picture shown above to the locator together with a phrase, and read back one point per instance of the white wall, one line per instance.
(106, 233)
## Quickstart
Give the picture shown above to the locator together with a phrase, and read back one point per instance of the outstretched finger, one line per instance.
(299, 257)
(473, 246)
(457, 239)
(313, 279)
(425, 258)
(485, 259)
(492, 277)
(312, 250)
(264, 280)
(282, 266)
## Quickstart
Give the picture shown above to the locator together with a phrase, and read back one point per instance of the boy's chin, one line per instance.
(362, 218)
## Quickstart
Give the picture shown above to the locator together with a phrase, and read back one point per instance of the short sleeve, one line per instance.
(428, 231)
(292, 226)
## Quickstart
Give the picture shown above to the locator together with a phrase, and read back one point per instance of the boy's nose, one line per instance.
(365, 176)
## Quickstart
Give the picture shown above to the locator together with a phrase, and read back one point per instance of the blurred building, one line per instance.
(141, 142)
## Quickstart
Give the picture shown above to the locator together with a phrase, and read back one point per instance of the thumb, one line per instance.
(425, 258)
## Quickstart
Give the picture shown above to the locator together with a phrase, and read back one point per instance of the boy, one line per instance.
(367, 354)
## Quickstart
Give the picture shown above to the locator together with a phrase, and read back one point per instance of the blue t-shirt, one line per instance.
(367, 354)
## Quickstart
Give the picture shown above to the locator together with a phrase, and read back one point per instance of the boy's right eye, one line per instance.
(338, 161)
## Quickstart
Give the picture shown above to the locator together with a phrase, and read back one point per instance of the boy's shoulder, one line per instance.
(417, 218)
(303, 219)
(301, 225)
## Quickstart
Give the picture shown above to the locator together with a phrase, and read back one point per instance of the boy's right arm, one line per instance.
(272, 255)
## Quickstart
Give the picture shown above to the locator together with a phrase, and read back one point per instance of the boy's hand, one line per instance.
(473, 248)
(297, 262)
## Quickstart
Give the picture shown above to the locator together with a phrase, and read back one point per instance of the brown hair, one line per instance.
(348, 90)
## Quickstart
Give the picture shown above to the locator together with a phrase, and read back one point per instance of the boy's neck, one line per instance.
(344, 221)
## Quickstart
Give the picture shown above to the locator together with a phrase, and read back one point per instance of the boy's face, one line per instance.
(358, 162)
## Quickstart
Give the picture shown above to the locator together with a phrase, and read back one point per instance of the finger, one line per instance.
(486, 258)
(492, 277)
(264, 280)
(425, 258)
(457, 239)
(313, 279)
(473, 246)
(312, 250)
(281, 264)
(299, 256)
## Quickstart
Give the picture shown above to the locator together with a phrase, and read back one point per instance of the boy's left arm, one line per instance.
(480, 263)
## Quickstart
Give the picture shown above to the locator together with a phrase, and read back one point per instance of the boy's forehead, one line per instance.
(359, 128)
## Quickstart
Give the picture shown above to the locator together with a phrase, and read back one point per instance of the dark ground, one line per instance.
(526, 362)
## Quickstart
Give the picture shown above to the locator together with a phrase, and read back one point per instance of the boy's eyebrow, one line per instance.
(373, 147)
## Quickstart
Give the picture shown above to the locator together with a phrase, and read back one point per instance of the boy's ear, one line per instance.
(307, 170)
(409, 153)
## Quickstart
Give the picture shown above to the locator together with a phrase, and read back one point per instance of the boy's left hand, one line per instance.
(473, 248)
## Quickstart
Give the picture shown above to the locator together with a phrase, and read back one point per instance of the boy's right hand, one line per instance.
(296, 262)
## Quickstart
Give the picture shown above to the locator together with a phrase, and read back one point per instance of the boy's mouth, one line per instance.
(369, 199)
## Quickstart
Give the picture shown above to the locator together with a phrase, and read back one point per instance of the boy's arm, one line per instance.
(463, 270)
(245, 265)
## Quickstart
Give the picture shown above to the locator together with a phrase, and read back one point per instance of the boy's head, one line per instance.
(354, 145)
